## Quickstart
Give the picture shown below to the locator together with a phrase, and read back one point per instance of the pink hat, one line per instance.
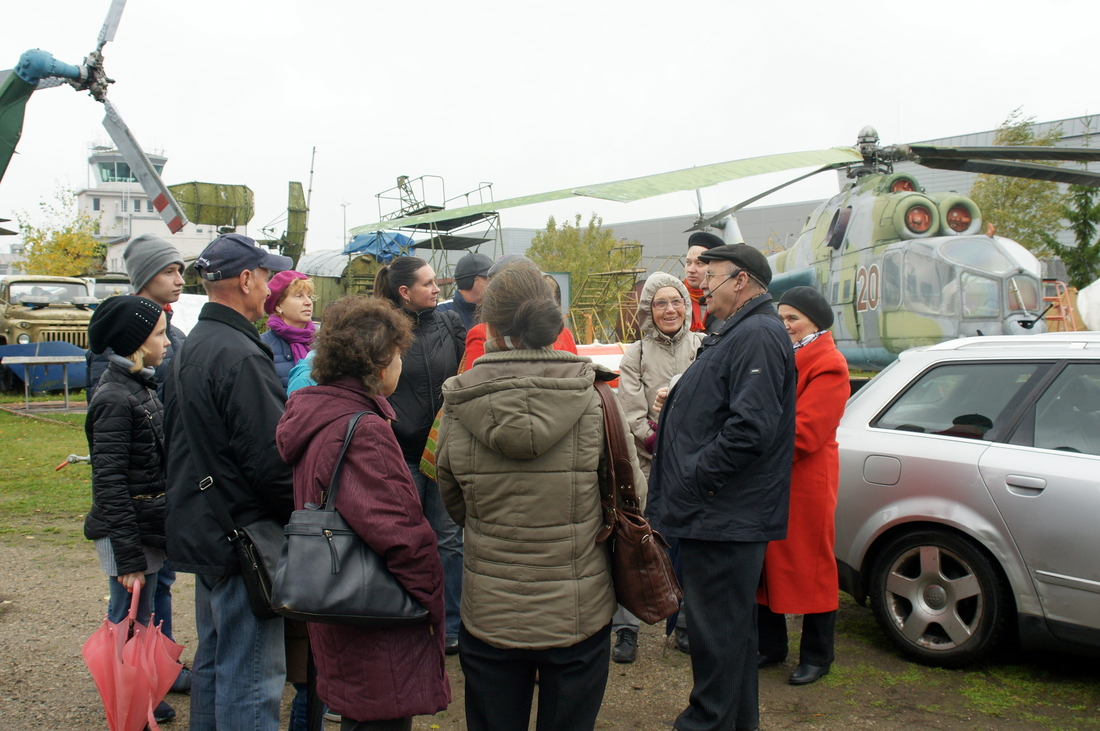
(278, 285)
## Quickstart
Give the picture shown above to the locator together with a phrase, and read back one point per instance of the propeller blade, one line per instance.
(49, 83)
(704, 225)
(1032, 171)
(110, 25)
(646, 186)
(143, 170)
(1006, 152)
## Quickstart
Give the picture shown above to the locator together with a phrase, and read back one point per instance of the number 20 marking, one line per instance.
(867, 285)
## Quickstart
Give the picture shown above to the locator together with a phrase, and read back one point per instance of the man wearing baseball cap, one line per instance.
(223, 401)
(471, 276)
(720, 481)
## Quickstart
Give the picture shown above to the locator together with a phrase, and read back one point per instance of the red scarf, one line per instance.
(698, 322)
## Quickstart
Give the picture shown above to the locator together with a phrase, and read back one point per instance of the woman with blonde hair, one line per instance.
(290, 326)
(521, 442)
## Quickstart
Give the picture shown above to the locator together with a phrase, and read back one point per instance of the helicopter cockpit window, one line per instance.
(981, 295)
(930, 285)
(977, 252)
(1022, 293)
(891, 281)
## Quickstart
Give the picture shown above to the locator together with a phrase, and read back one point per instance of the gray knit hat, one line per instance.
(147, 256)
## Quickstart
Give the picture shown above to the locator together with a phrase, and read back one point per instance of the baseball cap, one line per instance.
(227, 256)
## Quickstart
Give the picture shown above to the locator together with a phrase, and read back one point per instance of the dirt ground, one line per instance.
(53, 596)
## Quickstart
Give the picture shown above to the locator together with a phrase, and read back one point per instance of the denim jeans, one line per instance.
(240, 663)
(449, 539)
(119, 605)
(162, 601)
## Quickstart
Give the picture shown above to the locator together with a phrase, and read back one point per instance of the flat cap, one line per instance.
(744, 256)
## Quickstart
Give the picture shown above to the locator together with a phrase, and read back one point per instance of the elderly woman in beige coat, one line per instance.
(667, 348)
(521, 443)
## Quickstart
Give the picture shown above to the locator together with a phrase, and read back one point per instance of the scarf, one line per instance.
(698, 321)
(299, 338)
(808, 339)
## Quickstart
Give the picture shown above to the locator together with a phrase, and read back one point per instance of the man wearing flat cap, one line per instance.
(223, 401)
(471, 276)
(702, 319)
(720, 481)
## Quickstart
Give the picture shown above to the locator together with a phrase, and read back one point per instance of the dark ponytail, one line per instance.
(401, 272)
(518, 303)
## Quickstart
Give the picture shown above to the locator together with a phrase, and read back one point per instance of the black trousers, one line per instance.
(720, 580)
(397, 724)
(816, 647)
(500, 684)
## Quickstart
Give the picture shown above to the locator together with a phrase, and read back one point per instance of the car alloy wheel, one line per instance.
(939, 598)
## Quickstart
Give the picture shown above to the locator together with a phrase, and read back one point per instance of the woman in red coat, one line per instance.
(377, 679)
(800, 572)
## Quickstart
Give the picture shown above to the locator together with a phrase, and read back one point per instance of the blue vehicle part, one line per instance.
(36, 64)
(48, 377)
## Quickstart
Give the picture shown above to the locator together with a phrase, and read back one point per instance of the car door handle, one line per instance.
(1024, 485)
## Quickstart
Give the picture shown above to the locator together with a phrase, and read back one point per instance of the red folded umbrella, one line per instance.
(132, 673)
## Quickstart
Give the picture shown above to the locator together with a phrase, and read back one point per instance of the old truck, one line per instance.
(44, 316)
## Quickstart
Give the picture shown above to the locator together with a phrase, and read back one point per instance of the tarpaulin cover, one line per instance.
(382, 245)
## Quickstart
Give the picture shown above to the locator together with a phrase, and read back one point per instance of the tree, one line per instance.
(579, 251)
(1083, 213)
(65, 245)
(1027, 211)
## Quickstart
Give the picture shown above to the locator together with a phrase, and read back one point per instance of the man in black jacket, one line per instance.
(223, 401)
(720, 481)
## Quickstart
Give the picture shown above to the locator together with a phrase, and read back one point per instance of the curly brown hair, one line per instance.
(360, 337)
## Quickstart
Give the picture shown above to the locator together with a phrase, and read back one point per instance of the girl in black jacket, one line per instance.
(126, 437)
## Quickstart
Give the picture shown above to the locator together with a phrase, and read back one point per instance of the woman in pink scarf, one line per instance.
(290, 328)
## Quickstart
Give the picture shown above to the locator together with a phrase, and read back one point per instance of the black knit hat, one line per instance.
(810, 303)
(122, 323)
(705, 239)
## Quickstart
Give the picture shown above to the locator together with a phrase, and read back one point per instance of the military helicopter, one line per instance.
(902, 267)
(38, 69)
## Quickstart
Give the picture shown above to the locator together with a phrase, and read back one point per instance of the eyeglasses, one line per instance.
(676, 303)
(708, 276)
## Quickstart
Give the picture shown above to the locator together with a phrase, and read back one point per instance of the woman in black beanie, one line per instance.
(126, 437)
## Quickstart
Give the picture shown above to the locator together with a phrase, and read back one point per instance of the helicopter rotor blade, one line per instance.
(647, 186)
(1032, 171)
(1006, 152)
(143, 170)
(110, 25)
(703, 225)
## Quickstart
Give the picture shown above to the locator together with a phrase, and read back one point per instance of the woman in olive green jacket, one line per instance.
(521, 442)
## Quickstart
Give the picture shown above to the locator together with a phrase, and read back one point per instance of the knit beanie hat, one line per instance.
(122, 323)
(147, 256)
(810, 303)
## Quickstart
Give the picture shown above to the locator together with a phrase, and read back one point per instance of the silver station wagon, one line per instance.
(969, 506)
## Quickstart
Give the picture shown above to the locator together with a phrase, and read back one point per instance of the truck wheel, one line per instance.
(940, 598)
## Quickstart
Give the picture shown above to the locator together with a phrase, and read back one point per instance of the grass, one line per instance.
(34, 499)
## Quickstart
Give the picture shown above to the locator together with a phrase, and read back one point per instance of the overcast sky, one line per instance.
(531, 96)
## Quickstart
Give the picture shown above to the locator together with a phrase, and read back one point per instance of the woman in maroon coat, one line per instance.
(376, 679)
(800, 572)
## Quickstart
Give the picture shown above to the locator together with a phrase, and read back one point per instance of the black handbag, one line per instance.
(256, 545)
(327, 573)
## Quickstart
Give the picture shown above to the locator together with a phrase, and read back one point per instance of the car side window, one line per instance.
(1067, 415)
(971, 400)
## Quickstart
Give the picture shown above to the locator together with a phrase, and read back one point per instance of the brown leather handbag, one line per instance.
(641, 570)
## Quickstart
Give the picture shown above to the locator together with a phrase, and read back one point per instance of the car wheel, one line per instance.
(940, 598)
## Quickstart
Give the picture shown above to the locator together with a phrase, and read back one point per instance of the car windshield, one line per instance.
(53, 291)
(961, 399)
(103, 290)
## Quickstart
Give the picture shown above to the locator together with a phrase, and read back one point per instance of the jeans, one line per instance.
(162, 601)
(240, 663)
(118, 607)
(449, 539)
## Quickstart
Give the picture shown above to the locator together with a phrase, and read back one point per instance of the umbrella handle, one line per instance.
(136, 597)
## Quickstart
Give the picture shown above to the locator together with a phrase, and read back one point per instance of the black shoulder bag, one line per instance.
(256, 545)
(327, 573)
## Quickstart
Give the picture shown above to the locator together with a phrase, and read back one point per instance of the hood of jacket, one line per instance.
(520, 403)
(314, 408)
(654, 282)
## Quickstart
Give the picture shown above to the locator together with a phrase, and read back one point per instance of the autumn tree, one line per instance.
(1083, 214)
(65, 244)
(1027, 211)
(580, 250)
